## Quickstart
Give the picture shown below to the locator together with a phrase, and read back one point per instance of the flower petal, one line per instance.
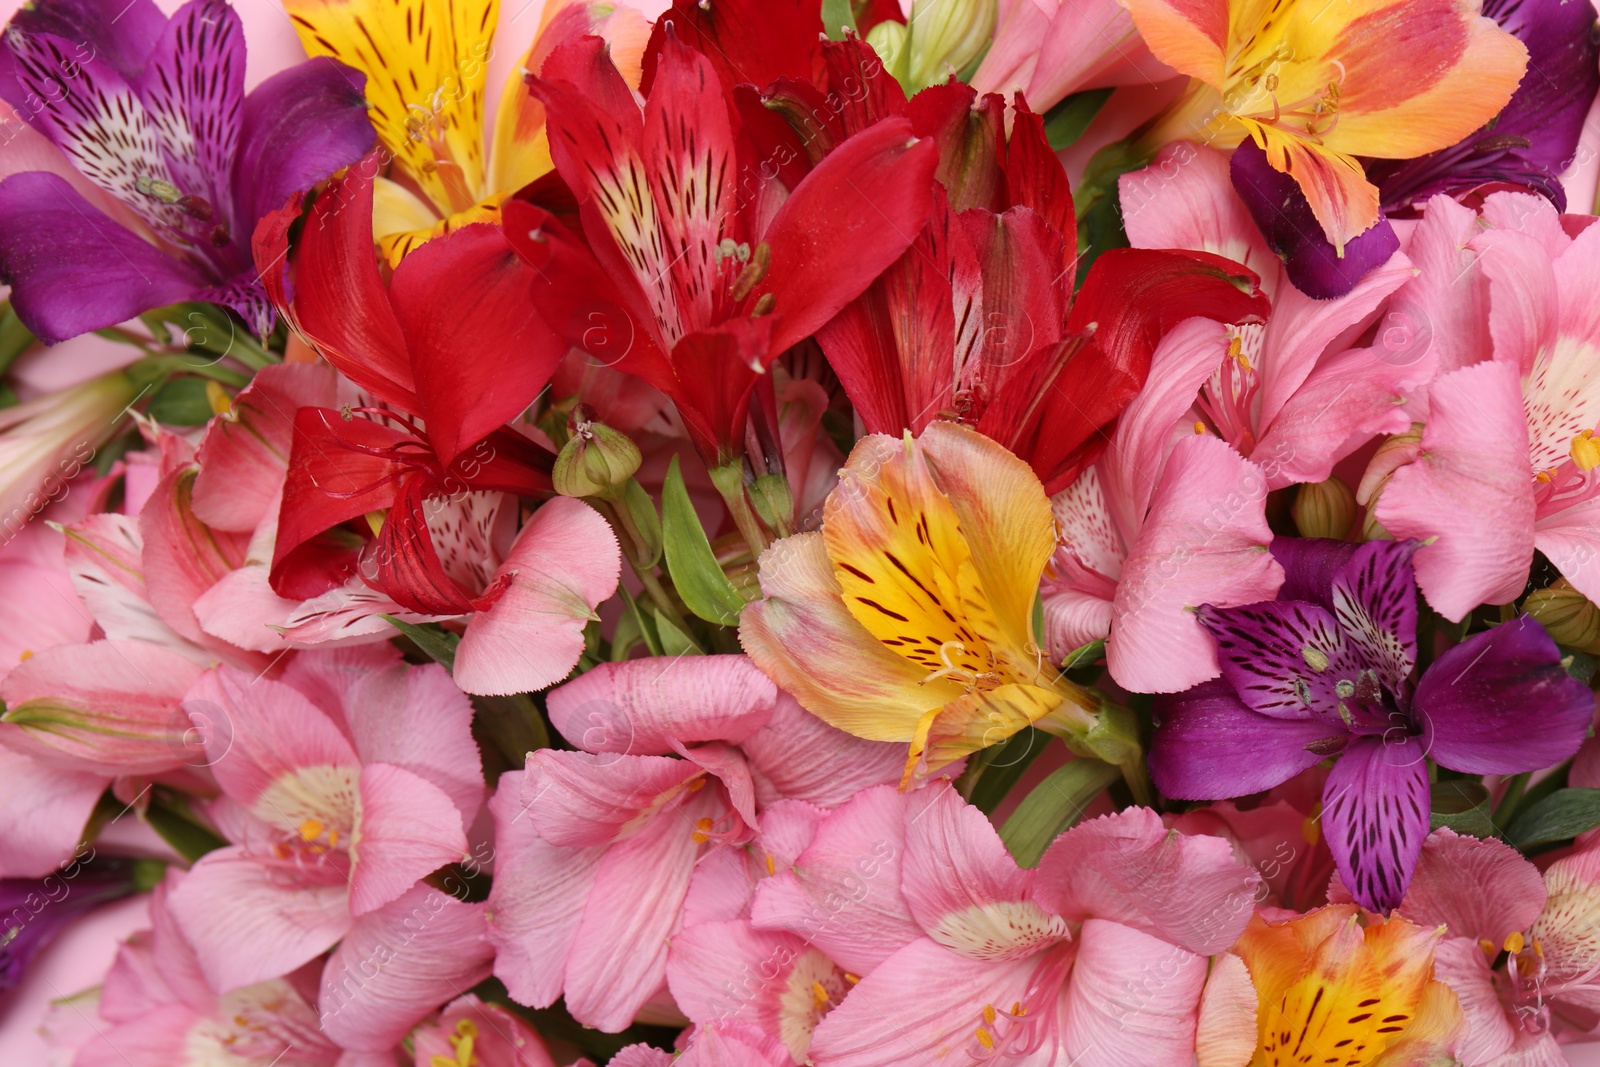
(1209, 745)
(1133, 999)
(1375, 817)
(407, 829)
(1478, 888)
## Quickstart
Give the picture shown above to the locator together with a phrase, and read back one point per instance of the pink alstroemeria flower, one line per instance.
(1494, 902)
(1049, 49)
(1096, 958)
(595, 850)
(468, 1031)
(1505, 463)
(156, 1009)
(343, 784)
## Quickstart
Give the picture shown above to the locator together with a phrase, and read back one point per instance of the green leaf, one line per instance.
(15, 338)
(437, 642)
(705, 590)
(1065, 123)
(837, 17)
(674, 642)
(181, 402)
(1462, 804)
(168, 815)
(1562, 815)
(1580, 665)
(1002, 765)
(512, 724)
(1053, 807)
(1084, 655)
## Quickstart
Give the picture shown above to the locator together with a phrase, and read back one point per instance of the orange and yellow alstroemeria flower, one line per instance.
(426, 65)
(1316, 83)
(1330, 991)
(909, 616)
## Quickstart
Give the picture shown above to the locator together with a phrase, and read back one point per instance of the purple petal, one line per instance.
(121, 33)
(1309, 564)
(1375, 598)
(245, 294)
(1285, 219)
(71, 268)
(1285, 658)
(1375, 816)
(1209, 746)
(192, 91)
(1535, 138)
(300, 125)
(1501, 703)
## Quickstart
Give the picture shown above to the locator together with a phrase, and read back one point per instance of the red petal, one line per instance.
(970, 142)
(404, 565)
(721, 363)
(748, 41)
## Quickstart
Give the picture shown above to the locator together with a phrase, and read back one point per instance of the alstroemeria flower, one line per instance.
(1325, 986)
(1326, 669)
(1049, 49)
(1097, 958)
(1506, 460)
(470, 1033)
(909, 616)
(1291, 395)
(153, 112)
(1316, 87)
(596, 849)
(35, 910)
(1519, 947)
(977, 321)
(701, 264)
(156, 1010)
(414, 496)
(345, 782)
(1534, 137)
(425, 69)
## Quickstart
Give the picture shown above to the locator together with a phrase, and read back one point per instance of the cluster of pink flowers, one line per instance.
(812, 532)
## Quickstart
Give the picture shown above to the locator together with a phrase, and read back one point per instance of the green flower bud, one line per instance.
(1569, 616)
(946, 36)
(1324, 509)
(595, 461)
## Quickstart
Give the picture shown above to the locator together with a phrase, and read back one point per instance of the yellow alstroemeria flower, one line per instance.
(909, 616)
(1316, 83)
(426, 65)
(1327, 987)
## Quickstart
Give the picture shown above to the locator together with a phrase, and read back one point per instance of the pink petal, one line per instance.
(248, 922)
(797, 756)
(1469, 490)
(158, 1039)
(1480, 889)
(109, 708)
(504, 1039)
(407, 828)
(1522, 295)
(962, 885)
(536, 902)
(563, 564)
(1459, 963)
(414, 717)
(579, 798)
(843, 892)
(398, 964)
(269, 731)
(925, 1004)
(641, 706)
(619, 957)
(1127, 868)
(1133, 1000)
(104, 556)
(1449, 297)
(1185, 199)
(42, 814)
(1226, 1035)
(1204, 542)
(1570, 539)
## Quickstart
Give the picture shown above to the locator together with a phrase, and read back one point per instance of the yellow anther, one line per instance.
(27, 654)
(989, 1014)
(772, 868)
(1199, 427)
(1514, 942)
(310, 830)
(702, 831)
(1586, 451)
(819, 994)
(1538, 949)
(1489, 948)
(333, 838)
(375, 521)
(852, 978)
(1542, 477)
(984, 1038)
(697, 785)
(219, 400)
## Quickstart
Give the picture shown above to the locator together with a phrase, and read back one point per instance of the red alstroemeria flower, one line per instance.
(977, 321)
(698, 266)
(450, 350)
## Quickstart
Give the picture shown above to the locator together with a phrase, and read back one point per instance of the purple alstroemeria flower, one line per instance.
(1535, 137)
(34, 910)
(153, 111)
(1326, 670)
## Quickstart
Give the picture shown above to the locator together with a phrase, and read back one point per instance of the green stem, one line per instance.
(1512, 799)
(729, 480)
(638, 550)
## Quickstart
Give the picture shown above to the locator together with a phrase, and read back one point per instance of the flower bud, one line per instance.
(47, 442)
(595, 461)
(946, 36)
(890, 40)
(1569, 616)
(1394, 453)
(1324, 509)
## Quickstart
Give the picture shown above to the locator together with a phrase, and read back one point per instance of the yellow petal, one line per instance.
(1341, 198)
(1189, 37)
(396, 209)
(396, 245)
(802, 636)
(425, 64)
(975, 721)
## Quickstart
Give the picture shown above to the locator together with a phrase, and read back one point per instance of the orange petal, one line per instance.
(1344, 202)
(1190, 36)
